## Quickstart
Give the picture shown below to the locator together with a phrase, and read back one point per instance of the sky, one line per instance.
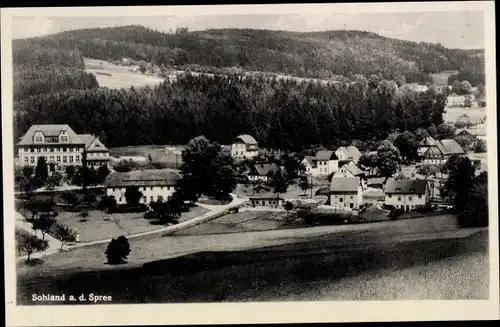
(458, 29)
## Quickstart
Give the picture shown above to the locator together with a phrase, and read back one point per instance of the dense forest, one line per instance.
(280, 114)
(315, 54)
(41, 69)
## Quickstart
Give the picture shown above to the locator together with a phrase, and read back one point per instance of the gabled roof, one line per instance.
(428, 141)
(247, 139)
(264, 169)
(326, 155)
(462, 130)
(344, 184)
(350, 151)
(405, 186)
(92, 143)
(50, 130)
(451, 147)
(352, 168)
(311, 161)
(152, 177)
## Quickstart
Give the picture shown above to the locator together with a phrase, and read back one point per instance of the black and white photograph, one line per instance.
(329, 154)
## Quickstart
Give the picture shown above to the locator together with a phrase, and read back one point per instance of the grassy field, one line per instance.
(441, 78)
(247, 221)
(474, 113)
(118, 77)
(156, 152)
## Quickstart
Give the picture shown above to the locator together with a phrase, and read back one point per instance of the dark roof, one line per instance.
(50, 130)
(461, 131)
(247, 139)
(405, 186)
(153, 177)
(344, 184)
(325, 155)
(264, 169)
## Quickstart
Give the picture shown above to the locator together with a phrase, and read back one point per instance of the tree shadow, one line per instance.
(33, 262)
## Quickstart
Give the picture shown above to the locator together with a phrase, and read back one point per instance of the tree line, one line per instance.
(318, 55)
(282, 114)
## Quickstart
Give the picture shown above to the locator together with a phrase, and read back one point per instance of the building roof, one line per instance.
(449, 147)
(92, 143)
(428, 141)
(344, 184)
(353, 168)
(405, 186)
(153, 177)
(264, 169)
(462, 130)
(247, 139)
(50, 130)
(376, 180)
(311, 160)
(350, 151)
(326, 155)
(265, 196)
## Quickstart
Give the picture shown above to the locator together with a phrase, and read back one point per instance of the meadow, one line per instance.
(117, 77)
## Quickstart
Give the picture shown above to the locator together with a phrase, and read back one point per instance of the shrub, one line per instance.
(108, 204)
(30, 243)
(395, 213)
(118, 250)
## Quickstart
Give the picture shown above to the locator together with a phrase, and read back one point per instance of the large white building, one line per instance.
(153, 184)
(61, 147)
(406, 194)
(244, 147)
(348, 153)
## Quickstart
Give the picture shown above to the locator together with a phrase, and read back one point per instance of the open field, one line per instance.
(116, 77)
(475, 113)
(441, 78)
(357, 264)
(156, 152)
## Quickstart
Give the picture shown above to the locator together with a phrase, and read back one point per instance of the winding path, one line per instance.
(215, 212)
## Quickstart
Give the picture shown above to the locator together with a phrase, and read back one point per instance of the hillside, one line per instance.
(316, 54)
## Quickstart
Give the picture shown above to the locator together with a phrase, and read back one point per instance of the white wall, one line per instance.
(403, 200)
(344, 201)
(147, 191)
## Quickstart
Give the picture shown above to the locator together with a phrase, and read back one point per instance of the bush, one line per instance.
(118, 250)
(395, 213)
(108, 204)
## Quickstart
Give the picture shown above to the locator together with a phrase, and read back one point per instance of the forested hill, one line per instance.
(315, 54)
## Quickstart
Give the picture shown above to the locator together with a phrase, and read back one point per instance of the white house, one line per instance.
(346, 193)
(348, 153)
(322, 164)
(425, 144)
(153, 184)
(262, 172)
(244, 147)
(406, 194)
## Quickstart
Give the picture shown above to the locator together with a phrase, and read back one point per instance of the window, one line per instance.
(351, 205)
(390, 196)
(32, 159)
(152, 198)
(341, 200)
(399, 198)
(52, 158)
(352, 197)
(71, 159)
(58, 158)
(420, 196)
(409, 198)
(26, 160)
(144, 198)
(64, 138)
(38, 139)
(64, 150)
(65, 159)
(77, 158)
(120, 199)
(151, 188)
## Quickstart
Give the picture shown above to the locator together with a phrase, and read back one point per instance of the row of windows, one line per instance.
(410, 198)
(342, 199)
(65, 159)
(351, 205)
(145, 188)
(97, 154)
(51, 150)
(63, 138)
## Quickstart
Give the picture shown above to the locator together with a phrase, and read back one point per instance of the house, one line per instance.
(266, 200)
(153, 184)
(262, 172)
(96, 154)
(348, 153)
(376, 182)
(322, 164)
(60, 146)
(441, 151)
(466, 134)
(425, 144)
(244, 147)
(418, 88)
(406, 194)
(456, 100)
(350, 169)
(346, 193)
